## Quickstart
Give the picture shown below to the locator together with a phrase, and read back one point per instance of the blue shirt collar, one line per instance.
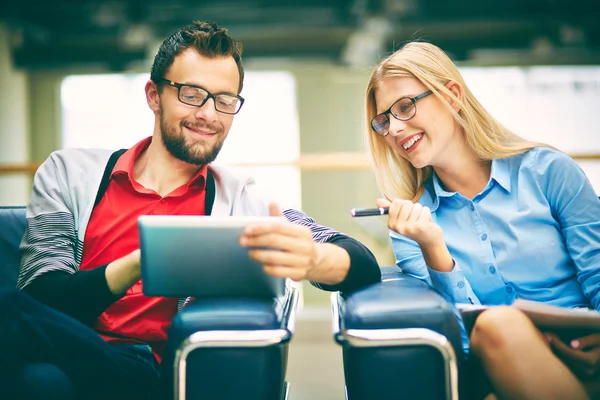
(500, 174)
(438, 191)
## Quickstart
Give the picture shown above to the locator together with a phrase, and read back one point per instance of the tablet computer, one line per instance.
(200, 256)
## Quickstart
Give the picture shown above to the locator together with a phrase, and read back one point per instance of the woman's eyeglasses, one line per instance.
(403, 109)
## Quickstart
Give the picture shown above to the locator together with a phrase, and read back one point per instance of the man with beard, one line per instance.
(80, 307)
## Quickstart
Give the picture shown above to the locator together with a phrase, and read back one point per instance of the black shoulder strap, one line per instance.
(210, 193)
(106, 176)
(210, 183)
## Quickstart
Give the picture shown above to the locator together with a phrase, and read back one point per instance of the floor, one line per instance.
(315, 360)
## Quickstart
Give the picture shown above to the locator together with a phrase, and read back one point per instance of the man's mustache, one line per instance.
(204, 127)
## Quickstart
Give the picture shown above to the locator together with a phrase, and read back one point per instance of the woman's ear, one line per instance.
(152, 96)
(457, 91)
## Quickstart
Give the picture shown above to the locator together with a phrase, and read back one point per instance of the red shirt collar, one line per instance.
(125, 164)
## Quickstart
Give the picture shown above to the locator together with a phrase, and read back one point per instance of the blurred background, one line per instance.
(72, 74)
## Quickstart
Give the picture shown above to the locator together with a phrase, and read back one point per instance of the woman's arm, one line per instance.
(453, 285)
(576, 207)
(420, 250)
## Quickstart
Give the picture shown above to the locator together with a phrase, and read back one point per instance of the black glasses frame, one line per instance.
(209, 95)
(389, 110)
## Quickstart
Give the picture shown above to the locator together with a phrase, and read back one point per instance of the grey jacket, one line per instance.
(63, 197)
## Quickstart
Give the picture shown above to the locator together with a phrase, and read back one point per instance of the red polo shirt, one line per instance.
(112, 233)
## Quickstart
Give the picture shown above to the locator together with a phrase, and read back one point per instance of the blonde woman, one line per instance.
(486, 217)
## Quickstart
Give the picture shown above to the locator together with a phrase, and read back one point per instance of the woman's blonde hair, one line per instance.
(486, 137)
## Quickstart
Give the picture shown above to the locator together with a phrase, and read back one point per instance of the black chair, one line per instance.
(219, 349)
(400, 340)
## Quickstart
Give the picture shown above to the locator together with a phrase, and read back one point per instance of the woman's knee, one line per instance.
(500, 328)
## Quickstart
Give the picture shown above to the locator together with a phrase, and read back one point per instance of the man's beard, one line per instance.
(191, 153)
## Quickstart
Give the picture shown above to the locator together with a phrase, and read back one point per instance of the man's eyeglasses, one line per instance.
(403, 109)
(196, 96)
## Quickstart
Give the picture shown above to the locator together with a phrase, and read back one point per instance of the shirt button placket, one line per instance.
(158, 207)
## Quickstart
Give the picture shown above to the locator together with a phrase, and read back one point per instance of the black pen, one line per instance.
(367, 212)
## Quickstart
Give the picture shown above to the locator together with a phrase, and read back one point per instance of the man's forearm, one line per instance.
(362, 269)
(83, 295)
(333, 264)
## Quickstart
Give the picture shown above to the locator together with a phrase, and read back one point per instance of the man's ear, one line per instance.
(152, 96)
(457, 90)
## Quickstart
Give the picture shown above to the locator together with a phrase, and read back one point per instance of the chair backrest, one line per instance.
(12, 228)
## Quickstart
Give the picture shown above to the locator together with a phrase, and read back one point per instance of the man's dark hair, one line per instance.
(207, 38)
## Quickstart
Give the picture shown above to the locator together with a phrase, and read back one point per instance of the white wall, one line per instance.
(14, 145)
(555, 105)
(265, 130)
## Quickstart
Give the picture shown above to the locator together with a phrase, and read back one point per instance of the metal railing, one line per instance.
(339, 161)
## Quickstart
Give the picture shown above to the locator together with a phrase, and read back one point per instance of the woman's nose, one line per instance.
(396, 126)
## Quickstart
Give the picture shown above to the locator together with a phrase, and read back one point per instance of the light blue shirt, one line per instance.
(533, 233)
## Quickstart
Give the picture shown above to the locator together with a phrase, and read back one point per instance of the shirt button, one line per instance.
(509, 289)
(492, 270)
(471, 207)
(483, 237)
(460, 284)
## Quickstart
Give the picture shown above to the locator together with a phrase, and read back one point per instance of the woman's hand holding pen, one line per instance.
(414, 221)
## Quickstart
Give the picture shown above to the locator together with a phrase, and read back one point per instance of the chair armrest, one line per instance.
(208, 315)
(227, 348)
(397, 337)
(400, 301)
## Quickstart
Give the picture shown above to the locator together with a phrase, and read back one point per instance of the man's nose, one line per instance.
(207, 112)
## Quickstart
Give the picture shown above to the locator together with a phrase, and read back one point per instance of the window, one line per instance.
(554, 105)
(266, 133)
(110, 111)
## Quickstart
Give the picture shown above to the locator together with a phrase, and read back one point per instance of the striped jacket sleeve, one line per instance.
(364, 269)
(51, 250)
(320, 233)
(50, 242)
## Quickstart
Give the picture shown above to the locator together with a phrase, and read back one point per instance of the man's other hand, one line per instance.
(123, 273)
